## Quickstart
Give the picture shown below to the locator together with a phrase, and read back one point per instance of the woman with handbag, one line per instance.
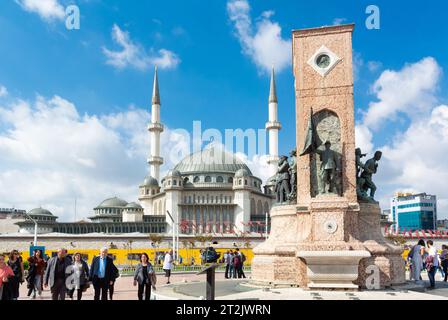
(16, 264)
(145, 277)
(6, 273)
(78, 273)
(35, 274)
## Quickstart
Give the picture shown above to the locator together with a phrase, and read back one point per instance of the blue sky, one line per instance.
(211, 78)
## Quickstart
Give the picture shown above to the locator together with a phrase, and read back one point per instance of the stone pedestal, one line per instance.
(316, 247)
(332, 269)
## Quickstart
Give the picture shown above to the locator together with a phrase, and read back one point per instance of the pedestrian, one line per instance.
(145, 277)
(227, 261)
(417, 260)
(432, 263)
(115, 275)
(101, 274)
(444, 261)
(243, 259)
(16, 264)
(6, 273)
(192, 261)
(168, 265)
(55, 275)
(231, 255)
(79, 277)
(236, 264)
(35, 274)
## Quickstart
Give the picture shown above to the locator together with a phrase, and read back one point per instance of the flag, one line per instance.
(312, 141)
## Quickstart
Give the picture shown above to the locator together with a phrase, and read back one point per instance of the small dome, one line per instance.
(40, 212)
(271, 181)
(173, 173)
(133, 205)
(242, 173)
(113, 203)
(150, 182)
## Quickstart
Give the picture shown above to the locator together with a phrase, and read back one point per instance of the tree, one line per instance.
(156, 239)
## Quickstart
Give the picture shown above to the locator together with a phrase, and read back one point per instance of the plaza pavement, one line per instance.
(189, 286)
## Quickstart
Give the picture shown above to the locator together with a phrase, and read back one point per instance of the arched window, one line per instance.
(174, 182)
(252, 206)
(196, 179)
(245, 182)
(220, 179)
(230, 180)
(208, 179)
(259, 208)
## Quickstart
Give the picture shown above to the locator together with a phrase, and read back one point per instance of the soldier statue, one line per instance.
(370, 168)
(328, 169)
(359, 166)
(282, 188)
(293, 175)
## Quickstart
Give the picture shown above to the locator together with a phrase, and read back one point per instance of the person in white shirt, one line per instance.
(432, 263)
(168, 265)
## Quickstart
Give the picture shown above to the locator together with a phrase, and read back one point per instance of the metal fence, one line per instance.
(129, 270)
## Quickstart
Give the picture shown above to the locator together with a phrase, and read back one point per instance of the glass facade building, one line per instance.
(413, 211)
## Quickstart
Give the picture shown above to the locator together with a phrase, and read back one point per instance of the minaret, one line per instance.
(273, 126)
(155, 128)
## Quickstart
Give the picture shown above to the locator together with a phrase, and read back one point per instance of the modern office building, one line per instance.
(413, 211)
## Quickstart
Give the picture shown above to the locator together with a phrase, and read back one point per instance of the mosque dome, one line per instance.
(150, 182)
(173, 173)
(40, 212)
(242, 173)
(211, 159)
(113, 203)
(133, 205)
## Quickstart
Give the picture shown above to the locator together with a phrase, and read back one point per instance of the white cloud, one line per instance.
(3, 91)
(263, 43)
(410, 91)
(414, 158)
(46, 9)
(374, 65)
(50, 155)
(133, 54)
(338, 21)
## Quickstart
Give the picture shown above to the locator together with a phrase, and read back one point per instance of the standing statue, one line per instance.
(330, 174)
(282, 188)
(293, 175)
(359, 181)
(366, 183)
(328, 169)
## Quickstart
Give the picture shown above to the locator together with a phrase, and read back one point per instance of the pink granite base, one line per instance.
(295, 229)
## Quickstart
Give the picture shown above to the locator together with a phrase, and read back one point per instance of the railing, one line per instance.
(129, 270)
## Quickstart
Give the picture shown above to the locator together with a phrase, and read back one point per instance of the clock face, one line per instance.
(323, 61)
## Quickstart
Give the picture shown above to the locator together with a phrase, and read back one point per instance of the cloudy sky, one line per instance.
(74, 104)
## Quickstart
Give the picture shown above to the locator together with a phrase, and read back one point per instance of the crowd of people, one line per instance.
(234, 260)
(64, 275)
(426, 257)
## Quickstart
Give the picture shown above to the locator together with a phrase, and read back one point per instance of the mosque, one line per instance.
(208, 192)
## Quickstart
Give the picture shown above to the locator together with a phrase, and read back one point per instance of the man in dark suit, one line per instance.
(102, 274)
(55, 274)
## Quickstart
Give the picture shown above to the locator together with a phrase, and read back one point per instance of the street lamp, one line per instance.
(35, 228)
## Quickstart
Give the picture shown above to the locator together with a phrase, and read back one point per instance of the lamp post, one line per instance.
(174, 233)
(266, 227)
(35, 228)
